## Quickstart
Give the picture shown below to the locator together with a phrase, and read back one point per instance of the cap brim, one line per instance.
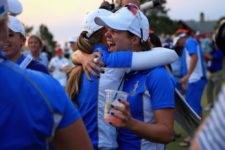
(177, 38)
(109, 22)
(14, 7)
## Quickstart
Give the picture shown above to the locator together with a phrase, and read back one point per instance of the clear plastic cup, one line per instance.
(112, 97)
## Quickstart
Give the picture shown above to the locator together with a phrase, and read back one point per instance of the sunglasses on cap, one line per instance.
(135, 11)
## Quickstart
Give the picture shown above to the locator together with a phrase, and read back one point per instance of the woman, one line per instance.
(14, 45)
(147, 120)
(35, 45)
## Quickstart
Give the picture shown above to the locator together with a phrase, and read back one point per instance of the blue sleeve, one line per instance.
(119, 59)
(161, 88)
(60, 102)
(192, 46)
(70, 114)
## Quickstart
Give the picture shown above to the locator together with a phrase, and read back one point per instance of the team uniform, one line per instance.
(213, 134)
(30, 117)
(91, 97)
(29, 63)
(197, 80)
(149, 91)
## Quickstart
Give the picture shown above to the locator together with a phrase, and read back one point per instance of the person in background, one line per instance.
(35, 45)
(14, 45)
(214, 63)
(58, 66)
(34, 108)
(193, 78)
(211, 133)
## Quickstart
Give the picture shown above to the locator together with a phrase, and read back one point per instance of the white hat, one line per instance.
(13, 7)
(16, 26)
(177, 38)
(73, 39)
(89, 24)
(128, 18)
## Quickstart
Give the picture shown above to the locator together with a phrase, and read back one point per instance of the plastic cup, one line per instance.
(112, 97)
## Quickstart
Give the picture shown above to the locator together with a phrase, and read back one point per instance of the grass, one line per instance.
(175, 145)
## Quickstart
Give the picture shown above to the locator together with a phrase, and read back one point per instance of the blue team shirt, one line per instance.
(148, 91)
(216, 64)
(192, 47)
(32, 105)
(33, 65)
(87, 98)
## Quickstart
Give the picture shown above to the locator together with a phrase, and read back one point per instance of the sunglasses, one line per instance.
(135, 11)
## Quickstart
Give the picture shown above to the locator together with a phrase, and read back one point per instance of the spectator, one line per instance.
(215, 75)
(58, 66)
(35, 45)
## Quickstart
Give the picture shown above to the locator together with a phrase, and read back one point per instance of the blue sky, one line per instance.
(64, 17)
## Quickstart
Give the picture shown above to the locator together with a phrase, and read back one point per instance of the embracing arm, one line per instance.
(156, 57)
(86, 60)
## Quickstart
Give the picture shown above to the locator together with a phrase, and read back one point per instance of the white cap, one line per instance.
(15, 25)
(177, 38)
(73, 39)
(13, 7)
(89, 24)
(128, 18)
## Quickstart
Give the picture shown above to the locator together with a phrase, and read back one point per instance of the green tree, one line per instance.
(28, 29)
(47, 36)
(159, 20)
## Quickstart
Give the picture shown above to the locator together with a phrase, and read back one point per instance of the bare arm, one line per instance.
(193, 63)
(72, 137)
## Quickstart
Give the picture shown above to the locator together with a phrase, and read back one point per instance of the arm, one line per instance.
(86, 60)
(193, 63)
(150, 59)
(72, 137)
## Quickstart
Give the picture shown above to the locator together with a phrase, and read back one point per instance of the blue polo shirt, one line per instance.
(216, 64)
(148, 90)
(88, 101)
(33, 65)
(32, 106)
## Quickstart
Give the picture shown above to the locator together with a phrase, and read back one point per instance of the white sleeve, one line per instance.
(156, 57)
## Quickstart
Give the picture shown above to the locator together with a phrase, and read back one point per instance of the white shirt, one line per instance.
(58, 64)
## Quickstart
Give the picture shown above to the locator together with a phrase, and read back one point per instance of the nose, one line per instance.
(108, 33)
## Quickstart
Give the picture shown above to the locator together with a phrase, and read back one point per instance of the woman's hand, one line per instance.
(89, 62)
(122, 113)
